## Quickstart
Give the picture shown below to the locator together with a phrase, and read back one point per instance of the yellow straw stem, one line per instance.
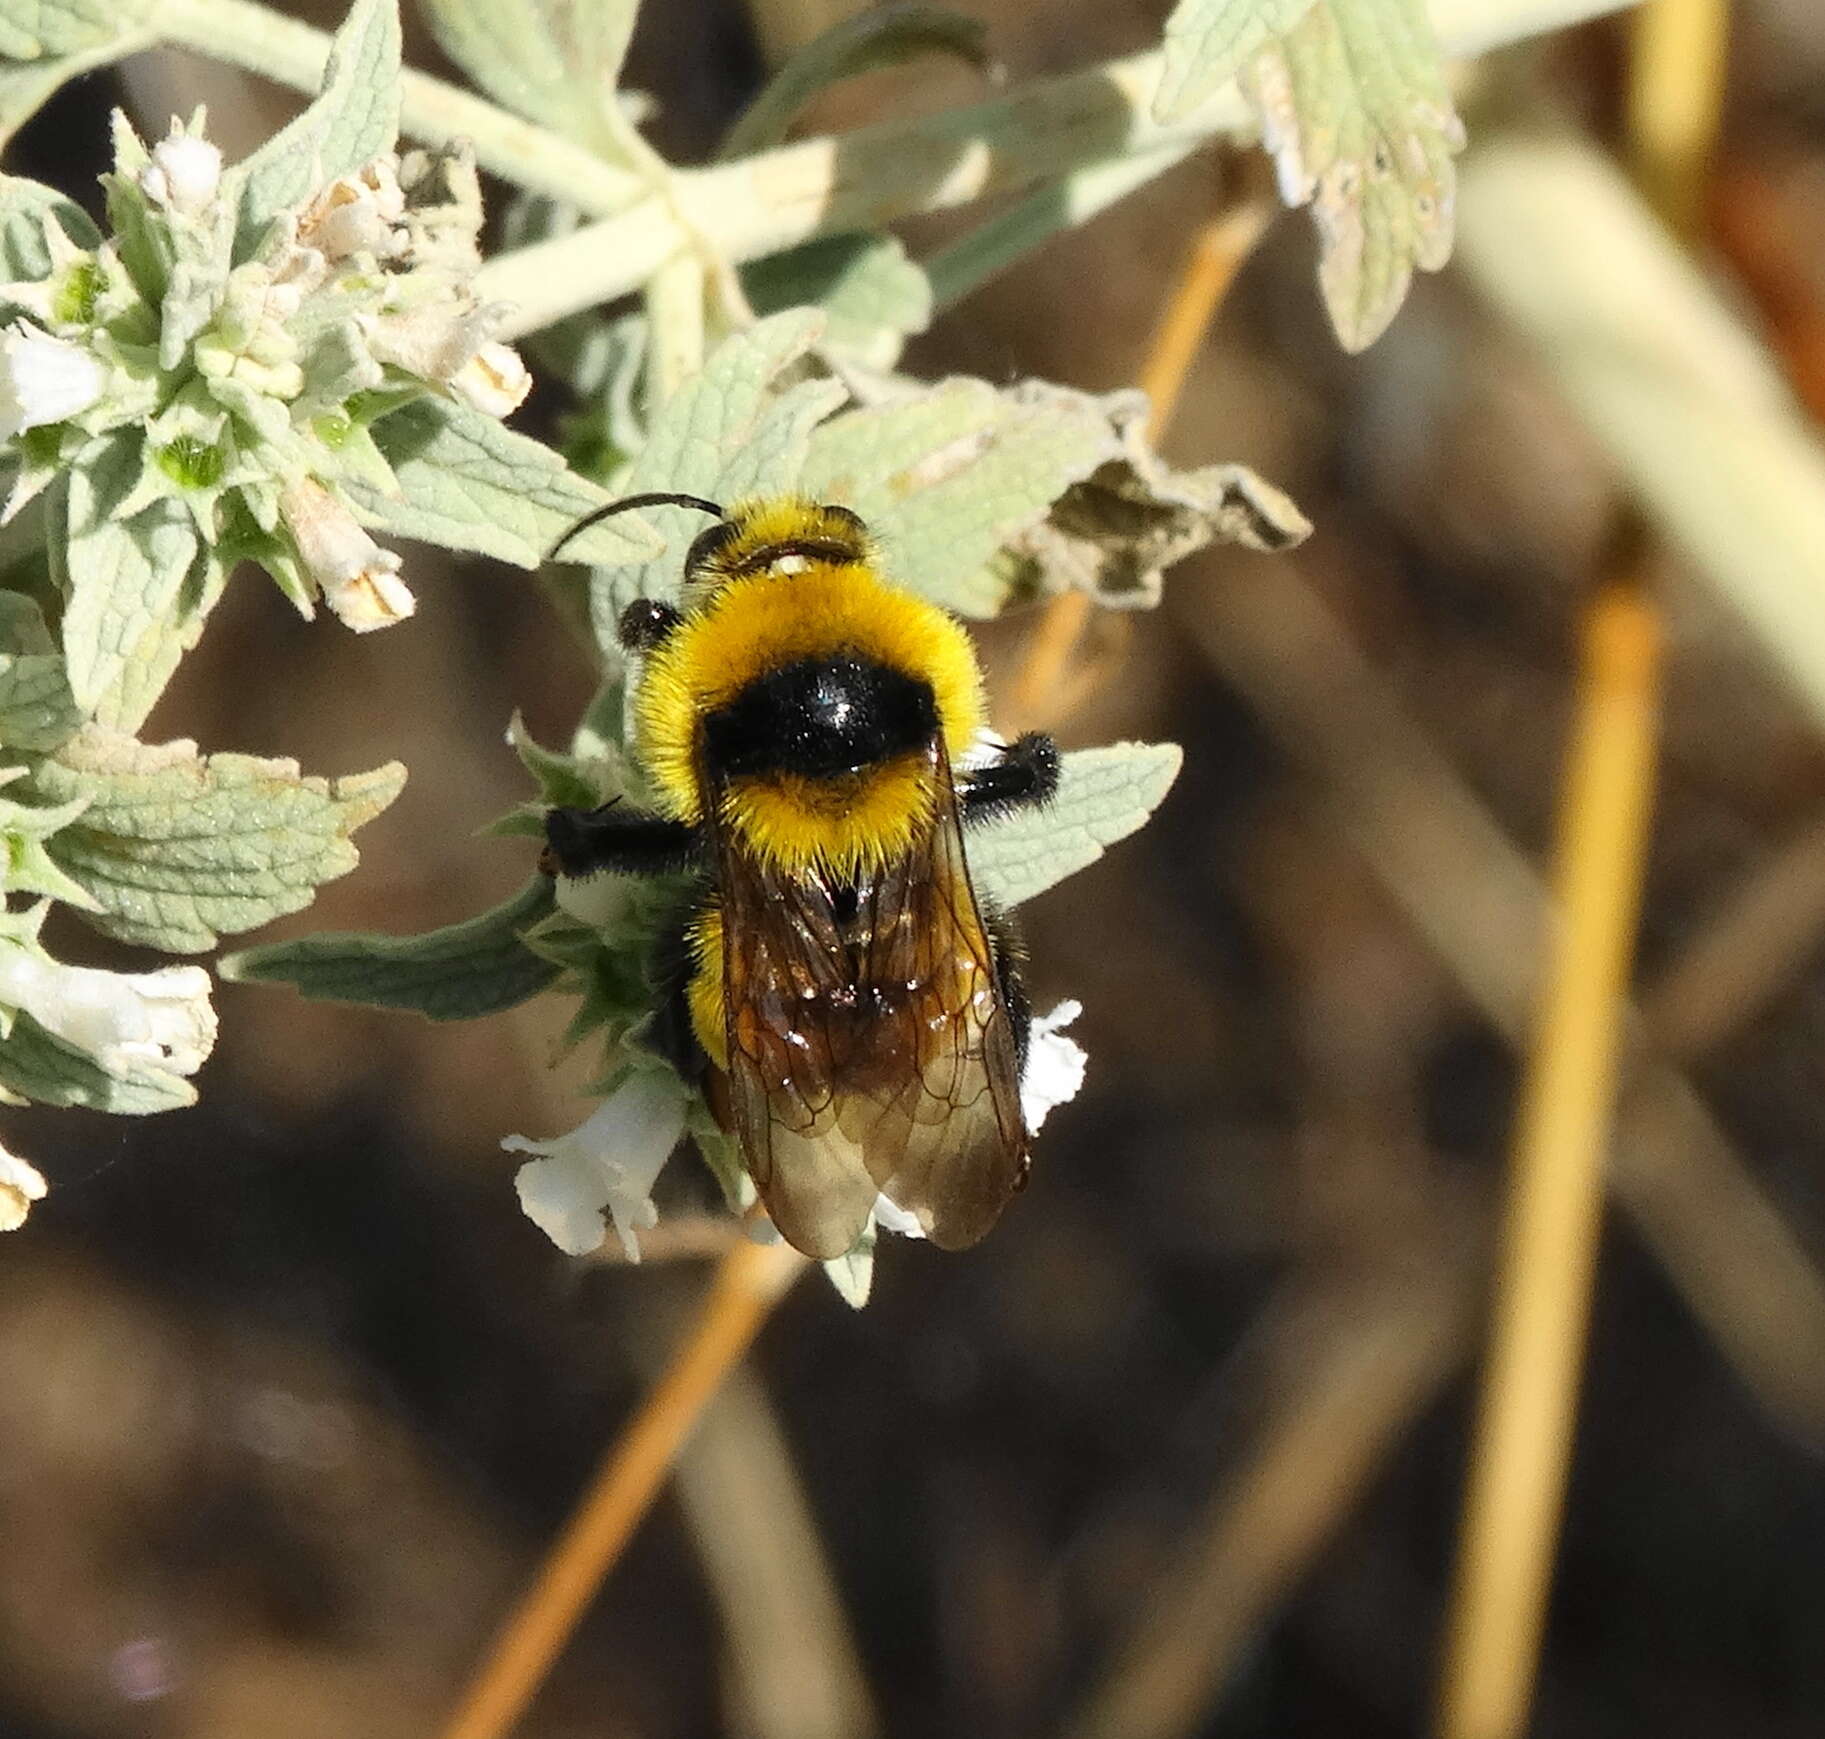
(751, 1279)
(1548, 1250)
(1675, 101)
(1216, 255)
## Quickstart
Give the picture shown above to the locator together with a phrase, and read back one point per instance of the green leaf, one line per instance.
(1208, 40)
(31, 29)
(872, 295)
(37, 710)
(36, 1064)
(556, 62)
(945, 478)
(704, 443)
(459, 973)
(180, 848)
(136, 590)
(469, 483)
(1357, 114)
(353, 121)
(25, 866)
(25, 208)
(1103, 795)
(881, 36)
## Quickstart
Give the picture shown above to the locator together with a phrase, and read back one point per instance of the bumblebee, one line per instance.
(851, 1009)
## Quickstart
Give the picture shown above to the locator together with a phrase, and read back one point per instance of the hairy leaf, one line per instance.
(872, 295)
(1208, 40)
(179, 849)
(1103, 795)
(31, 29)
(353, 121)
(25, 208)
(137, 592)
(556, 62)
(1355, 109)
(459, 973)
(37, 710)
(469, 483)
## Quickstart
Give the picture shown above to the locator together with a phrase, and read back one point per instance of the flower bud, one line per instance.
(43, 379)
(494, 380)
(183, 175)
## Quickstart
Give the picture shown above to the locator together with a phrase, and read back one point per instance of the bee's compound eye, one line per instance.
(709, 544)
(846, 516)
(646, 622)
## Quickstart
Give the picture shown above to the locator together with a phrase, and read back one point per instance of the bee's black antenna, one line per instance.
(659, 498)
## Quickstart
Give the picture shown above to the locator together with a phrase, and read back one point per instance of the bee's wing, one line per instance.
(870, 1054)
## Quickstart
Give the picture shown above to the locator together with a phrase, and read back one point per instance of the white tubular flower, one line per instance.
(891, 1217)
(493, 381)
(1055, 1065)
(609, 1161)
(184, 173)
(20, 1185)
(359, 580)
(357, 214)
(162, 1019)
(43, 379)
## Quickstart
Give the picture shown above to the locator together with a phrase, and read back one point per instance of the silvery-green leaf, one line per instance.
(38, 1065)
(180, 848)
(946, 477)
(695, 446)
(556, 62)
(353, 120)
(25, 865)
(458, 973)
(1114, 534)
(879, 36)
(25, 208)
(127, 584)
(31, 29)
(37, 710)
(1103, 795)
(467, 482)
(1208, 40)
(872, 295)
(1357, 114)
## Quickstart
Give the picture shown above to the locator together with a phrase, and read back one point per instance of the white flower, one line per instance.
(1055, 1065)
(123, 1020)
(891, 1217)
(20, 1185)
(357, 214)
(358, 578)
(494, 380)
(43, 379)
(610, 1160)
(183, 174)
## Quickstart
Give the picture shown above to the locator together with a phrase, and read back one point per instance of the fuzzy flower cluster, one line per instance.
(252, 351)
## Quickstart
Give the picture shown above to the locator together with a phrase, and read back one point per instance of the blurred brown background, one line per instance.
(292, 1397)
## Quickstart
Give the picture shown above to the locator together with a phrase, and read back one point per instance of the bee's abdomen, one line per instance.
(821, 718)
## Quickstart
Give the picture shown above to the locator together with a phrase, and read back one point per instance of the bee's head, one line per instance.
(782, 534)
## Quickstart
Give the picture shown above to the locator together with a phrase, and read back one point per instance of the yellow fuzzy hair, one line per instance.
(741, 628)
(704, 994)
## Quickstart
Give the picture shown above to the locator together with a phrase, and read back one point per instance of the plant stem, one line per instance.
(289, 52)
(1675, 100)
(1548, 1254)
(751, 1279)
(1047, 130)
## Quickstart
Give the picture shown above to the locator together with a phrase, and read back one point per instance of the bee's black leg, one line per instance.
(1026, 773)
(582, 842)
(1010, 954)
